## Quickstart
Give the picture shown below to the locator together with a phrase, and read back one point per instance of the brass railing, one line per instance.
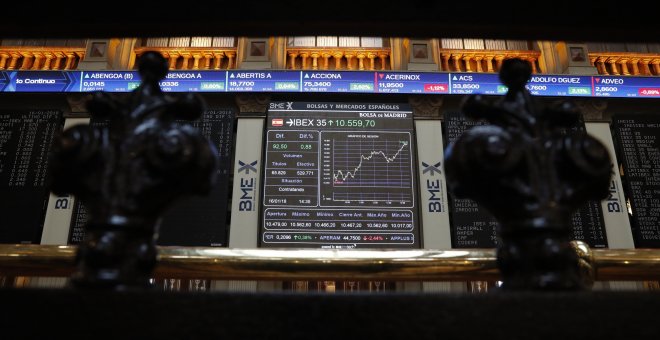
(626, 63)
(483, 60)
(310, 264)
(344, 58)
(194, 58)
(40, 58)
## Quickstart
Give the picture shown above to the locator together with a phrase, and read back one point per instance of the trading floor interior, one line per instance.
(328, 142)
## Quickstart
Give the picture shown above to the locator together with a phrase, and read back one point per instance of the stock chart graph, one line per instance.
(367, 167)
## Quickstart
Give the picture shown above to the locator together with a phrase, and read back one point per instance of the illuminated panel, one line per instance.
(330, 82)
(644, 87)
(339, 175)
(355, 82)
(638, 141)
(473, 227)
(262, 81)
(41, 81)
(408, 82)
(26, 137)
(175, 81)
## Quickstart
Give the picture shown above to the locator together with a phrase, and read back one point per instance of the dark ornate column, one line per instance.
(128, 172)
(531, 171)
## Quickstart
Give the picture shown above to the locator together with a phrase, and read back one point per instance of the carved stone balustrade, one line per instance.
(40, 58)
(483, 60)
(338, 58)
(194, 58)
(626, 63)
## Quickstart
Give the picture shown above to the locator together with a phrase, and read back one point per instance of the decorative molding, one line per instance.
(78, 102)
(194, 58)
(343, 58)
(426, 106)
(252, 103)
(592, 109)
(490, 61)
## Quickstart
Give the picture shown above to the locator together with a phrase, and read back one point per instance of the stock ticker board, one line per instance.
(339, 175)
(26, 138)
(331, 82)
(638, 141)
(192, 220)
(474, 227)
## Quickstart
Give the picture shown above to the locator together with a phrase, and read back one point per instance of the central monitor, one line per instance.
(339, 175)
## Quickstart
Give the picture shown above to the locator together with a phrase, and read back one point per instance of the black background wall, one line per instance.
(547, 20)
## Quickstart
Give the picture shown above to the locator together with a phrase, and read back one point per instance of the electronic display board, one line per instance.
(624, 87)
(192, 220)
(474, 227)
(404, 82)
(638, 143)
(409, 82)
(324, 81)
(26, 138)
(263, 81)
(202, 220)
(339, 175)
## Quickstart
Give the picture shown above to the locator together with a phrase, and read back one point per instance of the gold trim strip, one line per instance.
(318, 264)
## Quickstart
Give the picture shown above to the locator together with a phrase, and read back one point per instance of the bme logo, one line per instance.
(281, 106)
(433, 187)
(247, 185)
(62, 202)
(432, 168)
(247, 167)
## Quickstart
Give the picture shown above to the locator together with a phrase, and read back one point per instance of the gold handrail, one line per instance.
(319, 264)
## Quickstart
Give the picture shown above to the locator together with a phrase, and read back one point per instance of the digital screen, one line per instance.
(263, 81)
(613, 86)
(339, 175)
(470, 225)
(191, 220)
(41, 81)
(116, 81)
(4, 81)
(77, 226)
(474, 83)
(638, 144)
(559, 85)
(202, 220)
(474, 227)
(175, 81)
(331, 82)
(408, 82)
(26, 138)
(322, 81)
